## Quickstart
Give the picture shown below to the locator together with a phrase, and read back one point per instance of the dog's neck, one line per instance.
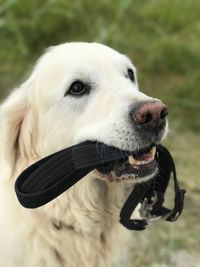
(90, 207)
(87, 215)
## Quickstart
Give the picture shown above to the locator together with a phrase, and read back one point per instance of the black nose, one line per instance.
(149, 115)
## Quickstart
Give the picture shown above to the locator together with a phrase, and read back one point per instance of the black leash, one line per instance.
(53, 175)
(151, 196)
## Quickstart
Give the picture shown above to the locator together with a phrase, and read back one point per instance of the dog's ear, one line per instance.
(15, 130)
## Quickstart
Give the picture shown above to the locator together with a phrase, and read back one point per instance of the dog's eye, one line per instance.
(131, 75)
(77, 88)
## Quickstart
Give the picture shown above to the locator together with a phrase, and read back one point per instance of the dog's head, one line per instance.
(79, 92)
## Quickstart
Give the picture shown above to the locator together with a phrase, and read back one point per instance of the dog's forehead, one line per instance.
(80, 55)
(62, 64)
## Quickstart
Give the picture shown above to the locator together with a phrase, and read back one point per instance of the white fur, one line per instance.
(79, 228)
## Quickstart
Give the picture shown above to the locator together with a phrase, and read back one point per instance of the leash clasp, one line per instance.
(147, 208)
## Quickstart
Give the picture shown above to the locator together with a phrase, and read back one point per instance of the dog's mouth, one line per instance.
(140, 166)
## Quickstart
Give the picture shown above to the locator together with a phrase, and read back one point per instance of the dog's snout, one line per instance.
(149, 114)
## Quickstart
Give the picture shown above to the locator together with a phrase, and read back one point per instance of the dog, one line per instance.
(76, 92)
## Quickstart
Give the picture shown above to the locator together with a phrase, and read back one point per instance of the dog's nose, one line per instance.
(150, 115)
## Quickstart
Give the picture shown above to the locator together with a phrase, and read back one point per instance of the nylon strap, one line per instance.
(156, 188)
(51, 176)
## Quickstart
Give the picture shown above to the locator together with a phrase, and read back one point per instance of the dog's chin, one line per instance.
(140, 167)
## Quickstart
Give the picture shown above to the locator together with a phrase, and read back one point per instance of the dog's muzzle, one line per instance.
(140, 165)
(53, 175)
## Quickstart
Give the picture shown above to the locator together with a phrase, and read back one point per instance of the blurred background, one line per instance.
(163, 40)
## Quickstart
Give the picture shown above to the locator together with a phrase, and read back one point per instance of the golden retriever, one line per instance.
(76, 92)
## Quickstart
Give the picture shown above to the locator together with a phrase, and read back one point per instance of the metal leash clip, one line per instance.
(146, 209)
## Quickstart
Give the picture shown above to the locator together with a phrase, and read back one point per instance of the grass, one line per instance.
(162, 38)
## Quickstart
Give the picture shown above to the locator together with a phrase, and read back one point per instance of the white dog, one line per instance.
(76, 92)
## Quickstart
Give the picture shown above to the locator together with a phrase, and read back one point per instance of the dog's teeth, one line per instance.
(132, 161)
(147, 158)
(153, 151)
